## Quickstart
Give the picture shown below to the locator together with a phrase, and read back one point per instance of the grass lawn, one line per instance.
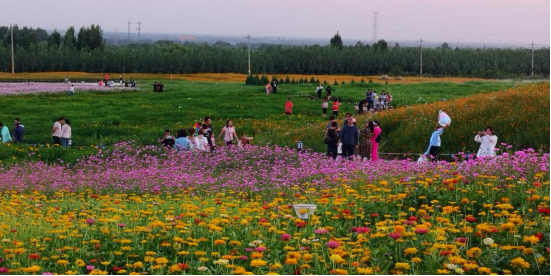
(108, 117)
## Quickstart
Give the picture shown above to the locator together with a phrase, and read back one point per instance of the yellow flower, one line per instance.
(150, 253)
(32, 269)
(443, 271)
(105, 263)
(519, 263)
(416, 260)
(239, 270)
(366, 270)
(258, 263)
(80, 262)
(62, 262)
(401, 266)
(336, 258)
(174, 268)
(474, 252)
(137, 265)
(531, 239)
(339, 271)
(219, 242)
(410, 251)
(484, 270)
(291, 261)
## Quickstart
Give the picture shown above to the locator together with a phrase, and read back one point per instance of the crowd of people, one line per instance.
(201, 137)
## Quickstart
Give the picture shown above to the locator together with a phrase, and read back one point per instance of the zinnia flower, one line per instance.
(333, 244)
(285, 237)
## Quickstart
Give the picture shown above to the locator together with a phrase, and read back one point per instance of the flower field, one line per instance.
(143, 210)
(20, 88)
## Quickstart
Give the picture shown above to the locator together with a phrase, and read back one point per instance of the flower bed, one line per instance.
(19, 88)
(146, 210)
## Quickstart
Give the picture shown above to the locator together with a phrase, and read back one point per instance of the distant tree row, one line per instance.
(37, 51)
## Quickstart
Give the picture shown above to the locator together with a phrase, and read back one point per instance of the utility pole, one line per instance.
(129, 30)
(249, 51)
(375, 14)
(139, 29)
(532, 56)
(116, 36)
(421, 66)
(12, 59)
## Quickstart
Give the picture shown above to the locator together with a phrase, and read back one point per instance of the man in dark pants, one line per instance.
(369, 99)
(332, 147)
(274, 86)
(349, 137)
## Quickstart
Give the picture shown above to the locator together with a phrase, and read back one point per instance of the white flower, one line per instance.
(488, 241)
(452, 266)
(202, 268)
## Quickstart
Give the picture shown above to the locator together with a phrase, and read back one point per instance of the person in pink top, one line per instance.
(374, 144)
(288, 107)
(229, 133)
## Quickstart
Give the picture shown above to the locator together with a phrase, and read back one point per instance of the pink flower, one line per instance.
(421, 231)
(395, 236)
(361, 230)
(4, 270)
(121, 225)
(333, 244)
(285, 237)
(90, 221)
(243, 258)
(90, 267)
(260, 249)
(321, 231)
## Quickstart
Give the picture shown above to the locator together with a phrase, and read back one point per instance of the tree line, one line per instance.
(37, 51)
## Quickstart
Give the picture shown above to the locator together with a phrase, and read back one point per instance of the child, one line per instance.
(201, 143)
(324, 106)
(336, 105)
(288, 107)
(197, 128)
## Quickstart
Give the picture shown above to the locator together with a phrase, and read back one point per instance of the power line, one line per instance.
(139, 28)
(375, 14)
(421, 66)
(249, 51)
(129, 30)
(532, 56)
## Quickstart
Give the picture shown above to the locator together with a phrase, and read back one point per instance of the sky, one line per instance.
(482, 21)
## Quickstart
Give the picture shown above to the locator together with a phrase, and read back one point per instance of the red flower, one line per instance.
(470, 219)
(421, 231)
(539, 235)
(263, 220)
(13, 230)
(374, 215)
(4, 270)
(183, 266)
(395, 236)
(544, 211)
(346, 211)
(34, 257)
(116, 268)
(412, 218)
(445, 253)
(300, 223)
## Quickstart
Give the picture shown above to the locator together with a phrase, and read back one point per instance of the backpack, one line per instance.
(378, 139)
(330, 137)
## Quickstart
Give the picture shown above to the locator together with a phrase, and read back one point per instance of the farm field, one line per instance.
(105, 118)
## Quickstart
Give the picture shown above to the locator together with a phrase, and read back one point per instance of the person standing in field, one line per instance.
(487, 141)
(324, 107)
(336, 105)
(365, 141)
(434, 143)
(66, 133)
(19, 131)
(375, 139)
(5, 133)
(71, 90)
(333, 141)
(208, 132)
(369, 98)
(319, 89)
(328, 91)
(56, 131)
(268, 88)
(288, 107)
(274, 86)
(106, 77)
(229, 133)
(349, 137)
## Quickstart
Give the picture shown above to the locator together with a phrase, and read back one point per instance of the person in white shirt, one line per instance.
(56, 131)
(71, 90)
(229, 133)
(201, 143)
(487, 141)
(66, 134)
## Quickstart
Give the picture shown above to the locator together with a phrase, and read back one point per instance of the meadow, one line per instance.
(105, 118)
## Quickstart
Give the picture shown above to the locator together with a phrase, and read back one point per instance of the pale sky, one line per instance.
(486, 21)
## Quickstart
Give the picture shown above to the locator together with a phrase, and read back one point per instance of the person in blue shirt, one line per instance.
(5, 133)
(182, 143)
(435, 142)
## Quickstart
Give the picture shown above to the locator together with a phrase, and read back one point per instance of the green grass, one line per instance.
(108, 117)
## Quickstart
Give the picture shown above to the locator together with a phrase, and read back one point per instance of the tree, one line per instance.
(54, 39)
(70, 40)
(336, 41)
(381, 45)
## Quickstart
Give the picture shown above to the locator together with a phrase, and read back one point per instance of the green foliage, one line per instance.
(54, 40)
(312, 80)
(336, 41)
(287, 81)
(69, 40)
